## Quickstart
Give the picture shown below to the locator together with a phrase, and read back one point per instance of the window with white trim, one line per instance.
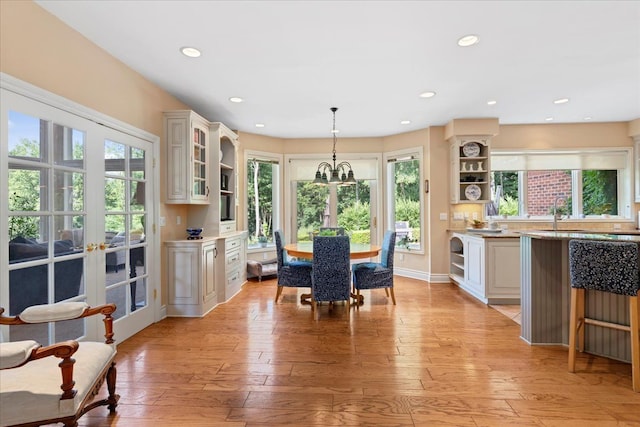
(593, 183)
(263, 198)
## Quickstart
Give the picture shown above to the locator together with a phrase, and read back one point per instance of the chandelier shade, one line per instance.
(339, 174)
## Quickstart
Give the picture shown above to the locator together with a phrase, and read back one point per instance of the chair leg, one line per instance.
(314, 309)
(393, 296)
(278, 292)
(634, 314)
(386, 291)
(573, 324)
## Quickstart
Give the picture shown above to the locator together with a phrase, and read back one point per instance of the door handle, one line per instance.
(91, 247)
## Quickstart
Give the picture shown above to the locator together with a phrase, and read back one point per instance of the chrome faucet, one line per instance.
(555, 211)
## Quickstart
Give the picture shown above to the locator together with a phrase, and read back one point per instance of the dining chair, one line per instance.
(330, 278)
(293, 274)
(374, 275)
(338, 230)
(604, 267)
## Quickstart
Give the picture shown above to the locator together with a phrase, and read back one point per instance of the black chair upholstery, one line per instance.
(294, 274)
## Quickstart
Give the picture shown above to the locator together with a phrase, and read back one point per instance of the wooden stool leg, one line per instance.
(634, 313)
(573, 325)
(580, 327)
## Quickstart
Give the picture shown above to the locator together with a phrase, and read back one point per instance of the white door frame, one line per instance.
(35, 93)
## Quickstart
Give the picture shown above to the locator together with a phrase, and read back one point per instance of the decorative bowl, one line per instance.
(478, 224)
(194, 233)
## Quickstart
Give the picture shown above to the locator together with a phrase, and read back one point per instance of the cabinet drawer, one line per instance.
(233, 277)
(227, 227)
(232, 244)
(233, 259)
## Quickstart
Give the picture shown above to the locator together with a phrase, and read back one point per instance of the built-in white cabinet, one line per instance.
(202, 172)
(234, 265)
(187, 156)
(226, 162)
(470, 169)
(191, 273)
(486, 267)
(203, 273)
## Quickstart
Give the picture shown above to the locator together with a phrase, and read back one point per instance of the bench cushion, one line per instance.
(32, 392)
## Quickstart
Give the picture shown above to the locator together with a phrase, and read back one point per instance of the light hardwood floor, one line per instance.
(437, 358)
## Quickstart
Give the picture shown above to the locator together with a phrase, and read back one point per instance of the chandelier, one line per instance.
(338, 173)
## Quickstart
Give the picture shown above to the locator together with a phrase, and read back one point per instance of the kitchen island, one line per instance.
(545, 295)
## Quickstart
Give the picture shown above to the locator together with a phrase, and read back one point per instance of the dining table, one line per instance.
(356, 251)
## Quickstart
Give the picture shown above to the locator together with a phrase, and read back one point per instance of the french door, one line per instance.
(76, 201)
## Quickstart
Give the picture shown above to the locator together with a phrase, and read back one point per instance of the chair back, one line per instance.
(388, 248)
(604, 266)
(279, 238)
(339, 230)
(331, 272)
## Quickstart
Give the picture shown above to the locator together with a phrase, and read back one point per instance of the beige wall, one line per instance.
(583, 135)
(38, 48)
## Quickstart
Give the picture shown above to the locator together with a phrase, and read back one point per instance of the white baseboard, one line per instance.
(163, 312)
(421, 275)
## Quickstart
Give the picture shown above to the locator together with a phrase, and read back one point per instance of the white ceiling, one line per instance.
(293, 60)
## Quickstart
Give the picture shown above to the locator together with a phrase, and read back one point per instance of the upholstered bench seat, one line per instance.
(262, 268)
(32, 392)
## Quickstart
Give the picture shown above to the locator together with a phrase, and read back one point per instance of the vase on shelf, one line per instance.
(463, 166)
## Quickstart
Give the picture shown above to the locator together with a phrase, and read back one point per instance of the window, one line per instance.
(404, 197)
(352, 207)
(263, 198)
(580, 184)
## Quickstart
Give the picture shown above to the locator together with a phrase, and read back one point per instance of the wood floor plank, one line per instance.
(437, 358)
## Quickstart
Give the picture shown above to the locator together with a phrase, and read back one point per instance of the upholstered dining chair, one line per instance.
(56, 383)
(374, 275)
(604, 266)
(330, 278)
(293, 274)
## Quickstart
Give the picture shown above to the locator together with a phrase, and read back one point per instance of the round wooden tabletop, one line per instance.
(356, 251)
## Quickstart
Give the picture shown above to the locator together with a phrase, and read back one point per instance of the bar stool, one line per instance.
(606, 267)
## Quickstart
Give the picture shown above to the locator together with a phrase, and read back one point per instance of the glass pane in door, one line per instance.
(46, 216)
(313, 210)
(125, 225)
(354, 211)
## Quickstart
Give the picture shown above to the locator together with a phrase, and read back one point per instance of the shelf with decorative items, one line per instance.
(470, 169)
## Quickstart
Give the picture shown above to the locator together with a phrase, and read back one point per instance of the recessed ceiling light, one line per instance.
(236, 99)
(587, 118)
(405, 122)
(561, 101)
(191, 52)
(492, 102)
(259, 125)
(468, 40)
(549, 119)
(427, 94)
